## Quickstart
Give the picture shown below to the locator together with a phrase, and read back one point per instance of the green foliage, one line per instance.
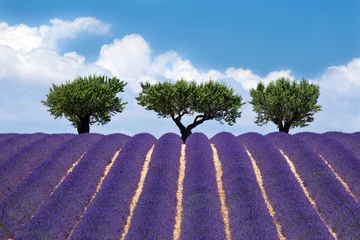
(213, 100)
(92, 97)
(167, 98)
(285, 102)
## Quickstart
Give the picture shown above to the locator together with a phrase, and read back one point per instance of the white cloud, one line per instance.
(126, 58)
(23, 39)
(130, 59)
(342, 80)
(30, 55)
(78, 58)
(249, 80)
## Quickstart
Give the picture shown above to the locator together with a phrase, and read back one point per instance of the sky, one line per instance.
(238, 42)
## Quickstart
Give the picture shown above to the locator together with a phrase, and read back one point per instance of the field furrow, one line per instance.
(106, 216)
(19, 206)
(60, 212)
(179, 194)
(248, 214)
(154, 215)
(221, 191)
(341, 160)
(293, 211)
(20, 165)
(338, 209)
(201, 214)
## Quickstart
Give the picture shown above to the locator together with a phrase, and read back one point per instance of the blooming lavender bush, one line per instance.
(12, 145)
(298, 219)
(344, 162)
(154, 215)
(248, 215)
(5, 136)
(201, 202)
(106, 216)
(18, 207)
(16, 168)
(59, 214)
(336, 206)
(351, 141)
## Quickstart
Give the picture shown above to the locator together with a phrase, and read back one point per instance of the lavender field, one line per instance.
(93, 186)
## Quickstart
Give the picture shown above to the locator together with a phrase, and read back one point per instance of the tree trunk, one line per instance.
(184, 134)
(84, 125)
(284, 128)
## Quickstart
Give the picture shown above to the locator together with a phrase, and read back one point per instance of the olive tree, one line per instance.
(210, 100)
(288, 104)
(86, 100)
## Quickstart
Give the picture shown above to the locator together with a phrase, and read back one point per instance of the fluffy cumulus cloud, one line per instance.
(342, 80)
(23, 38)
(130, 59)
(29, 55)
(249, 80)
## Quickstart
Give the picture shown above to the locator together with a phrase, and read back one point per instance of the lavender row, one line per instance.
(154, 215)
(342, 160)
(12, 145)
(57, 216)
(275, 136)
(105, 218)
(4, 136)
(201, 216)
(248, 215)
(298, 219)
(17, 167)
(18, 207)
(351, 141)
(336, 206)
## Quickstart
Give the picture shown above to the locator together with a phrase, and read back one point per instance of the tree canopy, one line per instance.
(286, 103)
(86, 100)
(209, 100)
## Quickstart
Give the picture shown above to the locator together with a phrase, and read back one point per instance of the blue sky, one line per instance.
(239, 42)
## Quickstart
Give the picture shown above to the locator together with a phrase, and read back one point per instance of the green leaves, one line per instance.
(216, 100)
(93, 96)
(285, 102)
(168, 98)
(213, 100)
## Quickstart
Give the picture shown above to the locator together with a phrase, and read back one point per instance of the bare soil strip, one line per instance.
(224, 208)
(68, 172)
(107, 169)
(340, 179)
(62, 179)
(301, 182)
(135, 199)
(267, 201)
(179, 194)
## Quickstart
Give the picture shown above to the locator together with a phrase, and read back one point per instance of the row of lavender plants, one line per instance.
(18, 207)
(12, 144)
(106, 216)
(154, 215)
(5, 136)
(201, 216)
(17, 167)
(248, 215)
(59, 213)
(344, 162)
(293, 211)
(350, 140)
(336, 206)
